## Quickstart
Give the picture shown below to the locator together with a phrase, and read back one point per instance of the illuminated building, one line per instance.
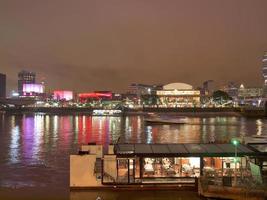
(95, 96)
(63, 95)
(32, 89)
(231, 89)
(250, 96)
(264, 72)
(253, 92)
(178, 95)
(25, 77)
(2, 86)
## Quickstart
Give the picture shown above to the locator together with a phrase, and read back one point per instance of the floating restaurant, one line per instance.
(153, 164)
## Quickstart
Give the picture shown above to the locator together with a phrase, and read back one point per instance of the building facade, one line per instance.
(63, 95)
(25, 77)
(178, 95)
(250, 96)
(2, 86)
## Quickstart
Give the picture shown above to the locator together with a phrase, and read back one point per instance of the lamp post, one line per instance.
(235, 142)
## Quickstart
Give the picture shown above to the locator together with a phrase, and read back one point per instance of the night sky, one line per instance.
(106, 45)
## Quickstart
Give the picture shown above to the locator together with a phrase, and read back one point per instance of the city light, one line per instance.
(63, 95)
(33, 88)
(235, 142)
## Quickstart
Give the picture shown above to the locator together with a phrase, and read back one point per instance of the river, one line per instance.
(35, 148)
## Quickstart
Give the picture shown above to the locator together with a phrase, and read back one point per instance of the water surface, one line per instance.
(35, 148)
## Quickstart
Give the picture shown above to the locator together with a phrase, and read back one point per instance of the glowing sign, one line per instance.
(62, 94)
(178, 92)
(33, 88)
(95, 95)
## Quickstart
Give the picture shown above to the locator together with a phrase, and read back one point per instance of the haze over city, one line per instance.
(106, 45)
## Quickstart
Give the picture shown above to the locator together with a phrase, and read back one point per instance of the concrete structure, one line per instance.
(2, 85)
(82, 171)
(25, 77)
(82, 168)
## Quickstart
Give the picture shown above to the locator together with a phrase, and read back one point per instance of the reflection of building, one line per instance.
(2, 85)
(178, 95)
(25, 77)
(63, 95)
(264, 72)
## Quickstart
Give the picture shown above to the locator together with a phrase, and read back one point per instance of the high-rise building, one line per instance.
(264, 72)
(2, 86)
(25, 77)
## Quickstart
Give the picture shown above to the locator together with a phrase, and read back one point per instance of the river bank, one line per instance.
(143, 111)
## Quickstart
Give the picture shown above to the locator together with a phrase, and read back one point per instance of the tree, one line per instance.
(220, 97)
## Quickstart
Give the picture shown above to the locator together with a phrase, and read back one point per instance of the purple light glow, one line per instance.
(35, 88)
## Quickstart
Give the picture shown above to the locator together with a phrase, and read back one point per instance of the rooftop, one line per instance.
(185, 150)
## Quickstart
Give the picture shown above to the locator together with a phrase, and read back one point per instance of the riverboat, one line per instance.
(157, 119)
(140, 166)
(105, 112)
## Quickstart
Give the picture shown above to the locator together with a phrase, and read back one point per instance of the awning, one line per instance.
(185, 150)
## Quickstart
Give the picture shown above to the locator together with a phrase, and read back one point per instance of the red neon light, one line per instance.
(94, 95)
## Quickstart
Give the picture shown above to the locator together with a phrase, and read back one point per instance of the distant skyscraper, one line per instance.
(2, 86)
(23, 78)
(264, 68)
(264, 72)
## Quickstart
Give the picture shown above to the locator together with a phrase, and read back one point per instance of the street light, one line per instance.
(235, 142)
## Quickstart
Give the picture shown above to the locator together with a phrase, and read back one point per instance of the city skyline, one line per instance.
(87, 46)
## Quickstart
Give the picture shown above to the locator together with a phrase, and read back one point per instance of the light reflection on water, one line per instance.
(35, 148)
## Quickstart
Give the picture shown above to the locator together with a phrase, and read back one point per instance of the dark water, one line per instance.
(35, 148)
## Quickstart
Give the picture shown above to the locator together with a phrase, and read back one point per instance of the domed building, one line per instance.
(177, 86)
(178, 95)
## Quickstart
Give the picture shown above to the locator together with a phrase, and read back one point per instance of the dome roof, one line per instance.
(177, 86)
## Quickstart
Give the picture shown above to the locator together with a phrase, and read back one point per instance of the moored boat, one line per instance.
(162, 120)
(105, 112)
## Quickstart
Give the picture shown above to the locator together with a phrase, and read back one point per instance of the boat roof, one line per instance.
(184, 150)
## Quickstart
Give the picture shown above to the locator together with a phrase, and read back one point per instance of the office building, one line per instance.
(2, 86)
(25, 77)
